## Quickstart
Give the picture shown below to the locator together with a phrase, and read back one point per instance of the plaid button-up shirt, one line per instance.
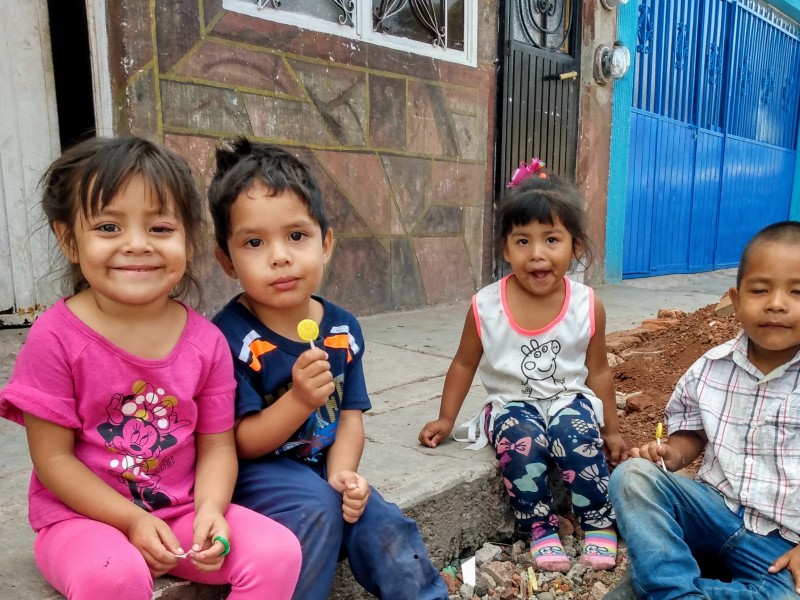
(752, 422)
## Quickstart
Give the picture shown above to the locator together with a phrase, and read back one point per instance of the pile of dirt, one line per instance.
(647, 363)
(663, 350)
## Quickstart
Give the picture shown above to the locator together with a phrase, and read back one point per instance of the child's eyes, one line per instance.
(107, 228)
(552, 240)
(162, 229)
(296, 236)
(253, 243)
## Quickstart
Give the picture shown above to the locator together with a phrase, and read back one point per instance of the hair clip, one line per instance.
(526, 170)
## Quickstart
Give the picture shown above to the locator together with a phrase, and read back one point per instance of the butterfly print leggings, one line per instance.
(527, 444)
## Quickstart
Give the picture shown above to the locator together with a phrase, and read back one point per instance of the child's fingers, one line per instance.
(426, 437)
(431, 435)
(351, 514)
(785, 562)
(357, 494)
(311, 356)
(170, 545)
(779, 564)
(158, 560)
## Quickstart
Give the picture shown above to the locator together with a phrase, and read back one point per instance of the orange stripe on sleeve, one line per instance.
(259, 348)
(339, 341)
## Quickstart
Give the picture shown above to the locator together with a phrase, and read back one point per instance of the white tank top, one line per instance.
(546, 367)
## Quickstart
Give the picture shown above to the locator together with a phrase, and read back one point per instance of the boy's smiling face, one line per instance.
(767, 303)
(277, 252)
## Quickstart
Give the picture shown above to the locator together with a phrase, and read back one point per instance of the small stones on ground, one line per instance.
(506, 576)
(488, 553)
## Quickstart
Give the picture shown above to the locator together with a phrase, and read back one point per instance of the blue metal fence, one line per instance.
(716, 103)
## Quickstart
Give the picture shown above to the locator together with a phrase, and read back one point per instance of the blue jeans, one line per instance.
(667, 521)
(384, 548)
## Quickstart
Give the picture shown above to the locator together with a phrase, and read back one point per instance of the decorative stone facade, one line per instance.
(402, 144)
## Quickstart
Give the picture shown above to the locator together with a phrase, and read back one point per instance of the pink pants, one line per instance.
(86, 560)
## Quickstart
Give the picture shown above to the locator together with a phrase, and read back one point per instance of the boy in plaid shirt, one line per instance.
(740, 404)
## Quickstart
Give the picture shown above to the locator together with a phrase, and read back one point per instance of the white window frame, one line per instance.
(363, 30)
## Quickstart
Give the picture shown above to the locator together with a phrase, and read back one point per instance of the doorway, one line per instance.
(72, 70)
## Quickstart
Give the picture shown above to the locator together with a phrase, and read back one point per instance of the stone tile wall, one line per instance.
(401, 144)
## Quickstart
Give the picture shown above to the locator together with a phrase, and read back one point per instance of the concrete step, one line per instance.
(455, 495)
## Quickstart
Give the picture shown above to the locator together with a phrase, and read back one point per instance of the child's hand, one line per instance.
(434, 432)
(791, 561)
(615, 449)
(355, 492)
(155, 540)
(207, 553)
(312, 381)
(652, 451)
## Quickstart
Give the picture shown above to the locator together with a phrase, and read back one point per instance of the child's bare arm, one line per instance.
(52, 450)
(312, 384)
(345, 452)
(600, 380)
(214, 480)
(456, 384)
(343, 458)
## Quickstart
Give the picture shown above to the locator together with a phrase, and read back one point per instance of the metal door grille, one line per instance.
(538, 110)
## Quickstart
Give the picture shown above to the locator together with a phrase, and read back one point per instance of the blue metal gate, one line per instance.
(713, 132)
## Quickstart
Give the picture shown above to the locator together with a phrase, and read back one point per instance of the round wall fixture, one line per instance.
(611, 63)
(609, 4)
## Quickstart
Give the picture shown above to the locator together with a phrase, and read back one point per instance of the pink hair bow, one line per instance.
(526, 170)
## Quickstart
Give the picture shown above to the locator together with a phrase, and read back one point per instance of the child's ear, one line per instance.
(225, 262)
(66, 242)
(577, 250)
(733, 293)
(327, 246)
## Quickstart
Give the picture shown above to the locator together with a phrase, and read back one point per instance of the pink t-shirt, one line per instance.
(134, 418)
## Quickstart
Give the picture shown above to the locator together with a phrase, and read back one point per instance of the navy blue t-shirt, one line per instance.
(263, 362)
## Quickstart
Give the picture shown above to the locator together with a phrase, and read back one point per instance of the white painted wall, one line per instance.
(28, 143)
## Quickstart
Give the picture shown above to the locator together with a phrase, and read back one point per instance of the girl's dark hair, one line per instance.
(240, 162)
(88, 176)
(545, 199)
(787, 232)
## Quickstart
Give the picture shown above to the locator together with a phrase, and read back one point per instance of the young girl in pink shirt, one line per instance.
(127, 395)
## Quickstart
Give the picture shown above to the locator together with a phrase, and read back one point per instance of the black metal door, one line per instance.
(541, 83)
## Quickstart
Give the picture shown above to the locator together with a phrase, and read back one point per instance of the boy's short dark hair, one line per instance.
(784, 231)
(240, 162)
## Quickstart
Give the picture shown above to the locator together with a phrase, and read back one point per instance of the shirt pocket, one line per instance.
(787, 446)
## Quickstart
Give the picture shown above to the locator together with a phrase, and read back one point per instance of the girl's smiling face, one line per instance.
(539, 255)
(130, 252)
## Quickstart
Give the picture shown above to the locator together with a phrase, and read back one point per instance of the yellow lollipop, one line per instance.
(308, 331)
(659, 434)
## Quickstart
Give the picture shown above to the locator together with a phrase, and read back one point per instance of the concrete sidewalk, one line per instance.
(455, 495)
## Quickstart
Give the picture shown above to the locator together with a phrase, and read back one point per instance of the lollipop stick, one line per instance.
(659, 433)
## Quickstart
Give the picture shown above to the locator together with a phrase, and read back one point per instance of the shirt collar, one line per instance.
(736, 349)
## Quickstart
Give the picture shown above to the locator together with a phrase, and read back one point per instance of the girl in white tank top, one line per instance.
(537, 340)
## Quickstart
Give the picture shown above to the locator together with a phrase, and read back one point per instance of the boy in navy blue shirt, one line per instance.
(299, 407)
